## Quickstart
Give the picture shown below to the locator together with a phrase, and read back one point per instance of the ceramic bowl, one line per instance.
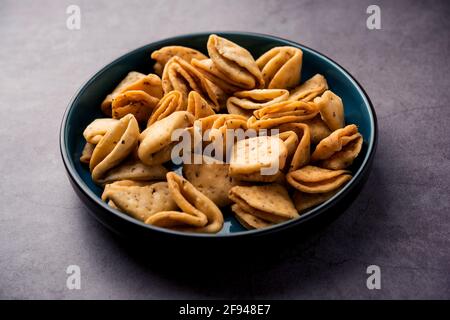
(84, 108)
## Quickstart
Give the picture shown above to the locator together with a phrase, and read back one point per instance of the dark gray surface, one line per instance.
(401, 221)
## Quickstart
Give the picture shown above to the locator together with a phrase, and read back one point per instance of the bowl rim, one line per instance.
(83, 187)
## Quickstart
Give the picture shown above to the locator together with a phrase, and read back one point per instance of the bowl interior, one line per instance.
(84, 108)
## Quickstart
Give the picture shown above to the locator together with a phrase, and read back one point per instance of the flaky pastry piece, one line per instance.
(248, 220)
(268, 202)
(339, 149)
(163, 55)
(282, 112)
(198, 106)
(156, 141)
(311, 179)
(234, 62)
(258, 159)
(318, 129)
(212, 73)
(301, 156)
(182, 76)
(135, 102)
(114, 146)
(95, 131)
(281, 67)
(309, 89)
(170, 103)
(150, 84)
(135, 170)
(198, 213)
(139, 200)
(245, 102)
(211, 177)
(331, 110)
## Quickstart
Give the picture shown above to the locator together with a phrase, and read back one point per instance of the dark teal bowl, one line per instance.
(85, 107)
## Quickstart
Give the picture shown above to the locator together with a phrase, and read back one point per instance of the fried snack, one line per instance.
(310, 89)
(86, 153)
(318, 129)
(344, 158)
(229, 121)
(180, 75)
(268, 202)
(139, 200)
(199, 213)
(155, 142)
(339, 149)
(223, 122)
(281, 67)
(210, 71)
(171, 102)
(207, 123)
(245, 102)
(248, 220)
(95, 131)
(214, 130)
(150, 84)
(331, 110)
(290, 140)
(250, 155)
(136, 171)
(211, 178)
(282, 112)
(311, 179)
(198, 106)
(204, 125)
(304, 201)
(215, 127)
(302, 152)
(137, 102)
(334, 142)
(125, 183)
(258, 159)
(163, 55)
(235, 63)
(114, 147)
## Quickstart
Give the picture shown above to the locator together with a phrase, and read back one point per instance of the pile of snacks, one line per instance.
(129, 152)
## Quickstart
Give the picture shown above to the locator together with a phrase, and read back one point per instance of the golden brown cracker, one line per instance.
(331, 110)
(311, 179)
(270, 202)
(248, 220)
(135, 102)
(163, 55)
(199, 213)
(235, 62)
(281, 67)
(212, 179)
(310, 89)
(114, 147)
(139, 200)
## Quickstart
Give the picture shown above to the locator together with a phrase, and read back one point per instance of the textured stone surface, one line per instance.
(401, 221)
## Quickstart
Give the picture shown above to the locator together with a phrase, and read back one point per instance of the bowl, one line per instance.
(85, 107)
